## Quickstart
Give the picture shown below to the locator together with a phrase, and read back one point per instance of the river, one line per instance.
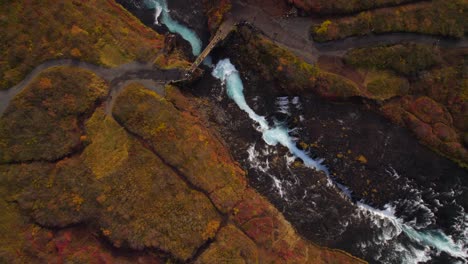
(405, 230)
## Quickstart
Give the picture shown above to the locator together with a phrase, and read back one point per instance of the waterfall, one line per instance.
(437, 239)
(385, 220)
(162, 14)
(227, 73)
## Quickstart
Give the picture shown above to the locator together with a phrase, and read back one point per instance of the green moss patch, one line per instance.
(343, 6)
(385, 85)
(439, 17)
(405, 59)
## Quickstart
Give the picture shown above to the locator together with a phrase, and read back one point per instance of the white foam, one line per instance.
(436, 239)
(227, 73)
(162, 15)
(157, 14)
(391, 226)
(283, 105)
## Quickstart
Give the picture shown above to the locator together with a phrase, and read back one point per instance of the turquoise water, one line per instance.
(278, 134)
(162, 14)
(229, 76)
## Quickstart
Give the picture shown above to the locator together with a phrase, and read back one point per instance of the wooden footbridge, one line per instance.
(223, 31)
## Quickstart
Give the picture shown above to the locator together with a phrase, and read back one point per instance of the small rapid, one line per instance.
(421, 240)
(162, 15)
(408, 242)
(278, 134)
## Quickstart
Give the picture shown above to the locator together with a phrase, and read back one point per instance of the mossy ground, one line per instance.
(117, 201)
(161, 181)
(382, 85)
(438, 17)
(216, 11)
(343, 6)
(204, 161)
(425, 82)
(405, 59)
(43, 121)
(96, 31)
(289, 73)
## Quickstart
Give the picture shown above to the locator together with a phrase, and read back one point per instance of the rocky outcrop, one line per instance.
(421, 80)
(431, 123)
(216, 12)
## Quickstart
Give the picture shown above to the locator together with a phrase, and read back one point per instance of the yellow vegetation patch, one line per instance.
(362, 159)
(45, 83)
(76, 53)
(211, 229)
(112, 56)
(75, 30)
(383, 85)
(175, 60)
(323, 27)
(109, 145)
(95, 31)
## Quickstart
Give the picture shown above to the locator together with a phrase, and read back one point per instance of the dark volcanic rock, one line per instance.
(380, 162)
(192, 15)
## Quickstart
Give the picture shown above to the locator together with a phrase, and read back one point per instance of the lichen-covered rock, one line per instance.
(183, 143)
(444, 132)
(428, 111)
(43, 121)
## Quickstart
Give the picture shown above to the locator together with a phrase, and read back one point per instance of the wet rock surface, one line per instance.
(380, 162)
(182, 176)
(192, 15)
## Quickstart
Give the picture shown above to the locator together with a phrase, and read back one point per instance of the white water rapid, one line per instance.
(162, 14)
(423, 242)
(424, 239)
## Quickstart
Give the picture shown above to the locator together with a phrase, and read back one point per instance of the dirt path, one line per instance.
(290, 33)
(117, 77)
